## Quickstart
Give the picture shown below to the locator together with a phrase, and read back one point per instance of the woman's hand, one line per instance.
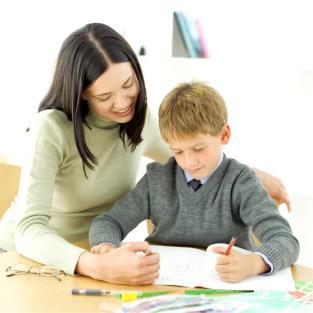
(275, 187)
(132, 263)
(236, 266)
(102, 248)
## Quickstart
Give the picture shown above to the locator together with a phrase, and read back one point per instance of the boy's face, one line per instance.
(199, 155)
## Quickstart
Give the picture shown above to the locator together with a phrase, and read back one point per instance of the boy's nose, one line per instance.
(190, 160)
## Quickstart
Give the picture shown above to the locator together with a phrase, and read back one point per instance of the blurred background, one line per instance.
(259, 57)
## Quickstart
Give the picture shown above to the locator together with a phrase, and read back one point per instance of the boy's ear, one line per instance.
(225, 134)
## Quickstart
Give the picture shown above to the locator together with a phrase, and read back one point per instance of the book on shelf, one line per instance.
(204, 51)
(188, 37)
(193, 267)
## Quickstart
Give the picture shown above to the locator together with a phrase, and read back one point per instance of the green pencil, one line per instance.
(213, 291)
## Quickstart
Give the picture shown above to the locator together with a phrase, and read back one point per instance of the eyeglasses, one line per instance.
(21, 268)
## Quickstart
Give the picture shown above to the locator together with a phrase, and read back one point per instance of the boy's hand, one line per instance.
(236, 266)
(102, 248)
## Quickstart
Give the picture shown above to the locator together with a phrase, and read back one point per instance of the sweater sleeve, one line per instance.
(259, 211)
(155, 146)
(126, 214)
(33, 236)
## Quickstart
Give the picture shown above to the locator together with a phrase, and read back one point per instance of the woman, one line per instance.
(85, 147)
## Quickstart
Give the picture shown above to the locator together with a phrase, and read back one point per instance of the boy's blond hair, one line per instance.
(190, 109)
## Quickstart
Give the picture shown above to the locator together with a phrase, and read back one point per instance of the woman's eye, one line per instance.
(104, 99)
(128, 85)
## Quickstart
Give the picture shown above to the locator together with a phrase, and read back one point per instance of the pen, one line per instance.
(96, 292)
(102, 292)
(231, 244)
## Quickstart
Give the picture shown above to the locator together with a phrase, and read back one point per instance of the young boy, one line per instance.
(200, 196)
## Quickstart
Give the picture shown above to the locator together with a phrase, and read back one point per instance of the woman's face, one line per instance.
(114, 94)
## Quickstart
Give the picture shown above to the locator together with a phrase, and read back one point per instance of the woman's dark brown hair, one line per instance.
(84, 56)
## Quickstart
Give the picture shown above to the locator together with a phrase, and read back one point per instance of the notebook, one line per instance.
(192, 267)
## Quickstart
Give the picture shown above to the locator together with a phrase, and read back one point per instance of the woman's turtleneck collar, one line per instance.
(96, 120)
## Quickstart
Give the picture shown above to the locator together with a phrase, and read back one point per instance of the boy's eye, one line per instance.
(198, 149)
(177, 152)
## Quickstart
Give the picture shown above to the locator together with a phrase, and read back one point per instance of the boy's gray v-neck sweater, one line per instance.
(231, 202)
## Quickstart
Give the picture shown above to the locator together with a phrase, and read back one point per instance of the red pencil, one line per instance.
(230, 245)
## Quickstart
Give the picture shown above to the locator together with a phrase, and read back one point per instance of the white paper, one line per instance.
(178, 265)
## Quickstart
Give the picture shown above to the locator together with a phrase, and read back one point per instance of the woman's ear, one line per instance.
(84, 96)
(225, 134)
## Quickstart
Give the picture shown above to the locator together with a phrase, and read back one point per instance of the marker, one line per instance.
(230, 245)
(130, 296)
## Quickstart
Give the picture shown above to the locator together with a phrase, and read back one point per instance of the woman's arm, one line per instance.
(275, 187)
(123, 265)
(34, 236)
(155, 147)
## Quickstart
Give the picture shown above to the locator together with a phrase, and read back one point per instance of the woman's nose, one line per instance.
(121, 102)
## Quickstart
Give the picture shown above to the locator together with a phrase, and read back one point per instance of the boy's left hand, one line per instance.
(102, 248)
(236, 266)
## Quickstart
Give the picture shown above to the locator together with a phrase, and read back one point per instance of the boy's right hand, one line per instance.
(102, 248)
(237, 266)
